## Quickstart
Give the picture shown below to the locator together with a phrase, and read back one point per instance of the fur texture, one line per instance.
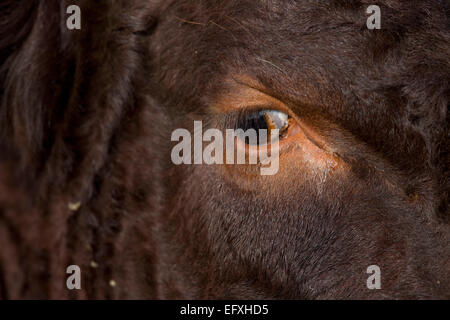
(86, 116)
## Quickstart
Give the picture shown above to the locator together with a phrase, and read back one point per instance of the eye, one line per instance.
(263, 120)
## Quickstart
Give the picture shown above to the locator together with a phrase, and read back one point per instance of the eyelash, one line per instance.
(258, 117)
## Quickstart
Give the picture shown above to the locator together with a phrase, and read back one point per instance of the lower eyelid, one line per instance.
(297, 139)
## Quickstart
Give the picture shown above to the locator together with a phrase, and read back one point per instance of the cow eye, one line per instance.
(263, 120)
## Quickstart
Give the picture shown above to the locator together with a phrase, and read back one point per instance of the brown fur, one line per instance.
(86, 116)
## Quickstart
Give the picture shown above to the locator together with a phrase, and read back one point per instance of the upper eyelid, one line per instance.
(270, 107)
(262, 107)
(266, 92)
(230, 119)
(240, 94)
(288, 104)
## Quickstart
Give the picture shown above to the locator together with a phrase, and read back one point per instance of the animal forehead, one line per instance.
(300, 50)
(290, 41)
(285, 27)
(286, 44)
(265, 39)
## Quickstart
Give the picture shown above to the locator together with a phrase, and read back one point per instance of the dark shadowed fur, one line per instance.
(86, 116)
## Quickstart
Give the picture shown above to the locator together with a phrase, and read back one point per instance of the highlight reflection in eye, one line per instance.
(264, 120)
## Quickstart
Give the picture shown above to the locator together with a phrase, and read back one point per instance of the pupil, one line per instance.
(262, 120)
(256, 121)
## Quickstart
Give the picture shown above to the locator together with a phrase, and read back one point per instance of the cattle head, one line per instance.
(87, 178)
